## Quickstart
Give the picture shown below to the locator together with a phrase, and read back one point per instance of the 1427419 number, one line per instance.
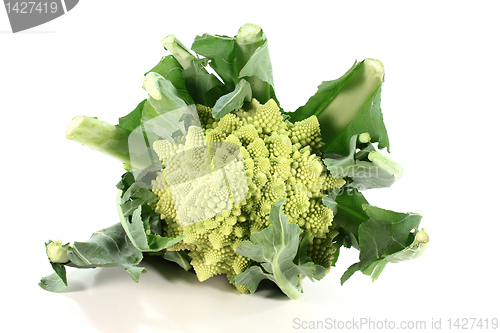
(473, 323)
(30, 7)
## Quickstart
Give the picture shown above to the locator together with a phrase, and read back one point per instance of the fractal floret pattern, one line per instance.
(255, 149)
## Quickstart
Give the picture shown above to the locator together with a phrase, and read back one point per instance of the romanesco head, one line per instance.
(276, 159)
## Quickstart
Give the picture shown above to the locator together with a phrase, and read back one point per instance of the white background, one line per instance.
(441, 109)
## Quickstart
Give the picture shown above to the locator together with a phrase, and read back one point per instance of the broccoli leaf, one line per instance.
(54, 282)
(412, 251)
(350, 214)
(170, 69)
(259, 65)
(105, 248)
(259, 73)
(232, 101)
(220, 50)
(136, 228)
(381, 237)
(245, 56)
(132, 120)
(253, 63)
(179, 257)
(348, 106)
(375, 172)
(275, 248)
(135, 191)
(205, 88)
(163, 98)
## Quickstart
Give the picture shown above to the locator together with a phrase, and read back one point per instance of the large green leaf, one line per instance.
(348, 106)
(233, 101)
(179, 257)
(132, 120)
(384, 234)
(137, 226)
(54, 282)
(412, 251)
(367, 120)
(171, 70)
(259, 65)
(349, 213)
(205, 88)
(220, 51)
(105, 248)
(276, 248)
(163, 97)
(374, 171)
(258, 72)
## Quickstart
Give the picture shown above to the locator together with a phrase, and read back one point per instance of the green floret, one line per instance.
(316, 219)
(276, 159)
(229, 123)
(240, 264)
(306, 133)
(257, 148)
(165, 203)
(231, 138)
(205, 115)
(321, 250)
(214, 135)
(246, 134)
(268, 119)
(279, 145)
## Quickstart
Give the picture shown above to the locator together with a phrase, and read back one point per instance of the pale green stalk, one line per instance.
(101, 136)
(178, 50)
(249, 38)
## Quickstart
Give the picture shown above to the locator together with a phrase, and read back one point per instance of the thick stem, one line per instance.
(249, 38)
(101, 136)
(178, 50)
(422, 237)
(284, 284)
(386, 164)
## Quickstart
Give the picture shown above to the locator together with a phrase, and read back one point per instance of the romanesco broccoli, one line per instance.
(222, 180)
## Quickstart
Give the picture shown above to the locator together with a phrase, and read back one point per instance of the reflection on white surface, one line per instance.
(167, 299)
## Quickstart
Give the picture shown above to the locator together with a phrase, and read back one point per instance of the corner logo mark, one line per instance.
(28, 14)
